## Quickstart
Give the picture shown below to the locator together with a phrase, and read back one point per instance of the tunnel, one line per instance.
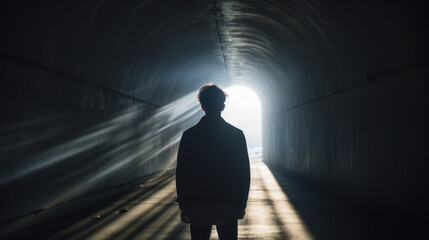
(95, 96)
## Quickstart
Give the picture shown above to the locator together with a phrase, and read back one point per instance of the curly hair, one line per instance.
(212, 97)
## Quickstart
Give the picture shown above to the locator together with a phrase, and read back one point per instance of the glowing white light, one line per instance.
(243, 110)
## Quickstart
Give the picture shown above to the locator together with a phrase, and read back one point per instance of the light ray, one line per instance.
(131, 144)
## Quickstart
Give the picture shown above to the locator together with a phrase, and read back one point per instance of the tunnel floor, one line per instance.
(279, 207)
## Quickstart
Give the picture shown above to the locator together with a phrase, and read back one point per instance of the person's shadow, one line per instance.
(330, 213)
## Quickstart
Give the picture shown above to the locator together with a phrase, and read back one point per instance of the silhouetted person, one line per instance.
(213, 174)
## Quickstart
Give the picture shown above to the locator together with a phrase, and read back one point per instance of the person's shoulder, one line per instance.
(191, 130)
(233, 129)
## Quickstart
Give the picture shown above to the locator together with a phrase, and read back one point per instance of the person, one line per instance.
(213, 172)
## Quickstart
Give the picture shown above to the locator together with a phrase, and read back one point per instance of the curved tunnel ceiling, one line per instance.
(66, 66)
(161, 50)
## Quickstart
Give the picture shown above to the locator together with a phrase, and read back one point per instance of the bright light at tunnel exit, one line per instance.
(243, 110)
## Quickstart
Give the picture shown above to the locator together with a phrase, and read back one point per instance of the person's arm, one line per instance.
(180, 171)
(243, 157)
(180, 174)
(241, 213)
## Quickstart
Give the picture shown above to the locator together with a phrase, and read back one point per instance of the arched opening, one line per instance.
(243, 110)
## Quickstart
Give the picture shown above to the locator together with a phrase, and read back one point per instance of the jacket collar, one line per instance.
(211, 119)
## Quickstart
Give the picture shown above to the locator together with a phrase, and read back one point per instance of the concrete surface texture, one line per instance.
(279, 207)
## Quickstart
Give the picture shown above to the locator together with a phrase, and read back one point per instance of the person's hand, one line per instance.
(184, 216)
(241, 213)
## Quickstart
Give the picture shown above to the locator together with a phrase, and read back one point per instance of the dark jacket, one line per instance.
(213, 165)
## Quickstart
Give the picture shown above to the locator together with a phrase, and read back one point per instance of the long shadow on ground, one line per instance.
(332, 214)
(46, 229)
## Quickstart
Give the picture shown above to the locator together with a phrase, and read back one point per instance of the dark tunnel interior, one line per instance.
(95, 94)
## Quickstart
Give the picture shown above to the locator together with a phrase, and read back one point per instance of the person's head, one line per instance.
(212, 98)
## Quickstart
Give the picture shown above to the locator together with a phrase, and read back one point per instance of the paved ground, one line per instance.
(279, 207)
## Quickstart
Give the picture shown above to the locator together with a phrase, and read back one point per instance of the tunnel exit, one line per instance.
(243, 110)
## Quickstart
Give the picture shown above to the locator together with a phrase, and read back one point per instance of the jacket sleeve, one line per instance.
(180, 174)
(244, 186)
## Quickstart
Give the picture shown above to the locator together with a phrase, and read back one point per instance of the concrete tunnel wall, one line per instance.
(82, 118)
(88, 84)
(364, 131)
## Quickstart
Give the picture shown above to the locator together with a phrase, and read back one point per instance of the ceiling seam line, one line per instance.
(74, 78)
(219, 34)
(370, 78)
